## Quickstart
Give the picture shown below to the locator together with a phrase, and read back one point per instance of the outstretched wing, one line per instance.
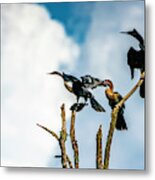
(95, 105)
(90, 82)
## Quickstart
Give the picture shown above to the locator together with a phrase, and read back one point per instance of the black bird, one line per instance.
(114, 98)
(80, 91)
(142, 90)
(136, 58)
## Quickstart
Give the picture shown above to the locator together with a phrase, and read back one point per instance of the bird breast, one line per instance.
(109, 94)
(68, 87)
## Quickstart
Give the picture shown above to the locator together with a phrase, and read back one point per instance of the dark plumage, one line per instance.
(78, 106)
(134, 33)
(90, 82)
(142, 90)
(136, 58)
(114, 98)
(79, 89)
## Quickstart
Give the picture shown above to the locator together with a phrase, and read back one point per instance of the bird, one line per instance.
(136, 58)
(78, 88)
(114, 98)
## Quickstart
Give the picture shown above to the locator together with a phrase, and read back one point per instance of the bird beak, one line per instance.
(102, 83)
(123, 32)
(51, 73)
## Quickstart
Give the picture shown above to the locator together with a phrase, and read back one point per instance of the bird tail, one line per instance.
(132, 72)
(121, 124)
(95, 105)
(142, 90)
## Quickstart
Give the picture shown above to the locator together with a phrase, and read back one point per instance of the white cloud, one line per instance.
(32, 45)
(105, 46)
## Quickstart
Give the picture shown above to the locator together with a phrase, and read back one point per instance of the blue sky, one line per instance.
(76, 17)
(87, 35)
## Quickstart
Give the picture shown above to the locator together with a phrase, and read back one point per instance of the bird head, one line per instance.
(107, 83)
(55, 73)
(132, 33)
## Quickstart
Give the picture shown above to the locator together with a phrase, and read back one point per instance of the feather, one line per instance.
(95, 105)
(90, 82)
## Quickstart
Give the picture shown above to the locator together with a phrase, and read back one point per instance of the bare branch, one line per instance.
(69, 162)
(63, 135)
(114, 115)
(99, 148)
(139, 83)
(49, 131)
(63, 117)
(74, 141)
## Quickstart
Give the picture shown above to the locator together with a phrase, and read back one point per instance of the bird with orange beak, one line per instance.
(114, 98)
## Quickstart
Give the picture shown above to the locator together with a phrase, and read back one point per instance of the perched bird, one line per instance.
(136, 58)
(114, 98)
(80, 91)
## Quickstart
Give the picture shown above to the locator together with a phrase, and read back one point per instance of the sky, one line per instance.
(77, 38)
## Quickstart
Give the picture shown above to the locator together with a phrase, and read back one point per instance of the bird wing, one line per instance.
(90, 82)
(95, 105)
(119, 97)
(115, 100)
(69, 78)
(135, 59)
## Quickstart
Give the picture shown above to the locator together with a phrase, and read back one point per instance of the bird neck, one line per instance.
(109, 93)
(69, 88)
(139, 38)
(58, 73)
(110, 86)
(110, 90)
